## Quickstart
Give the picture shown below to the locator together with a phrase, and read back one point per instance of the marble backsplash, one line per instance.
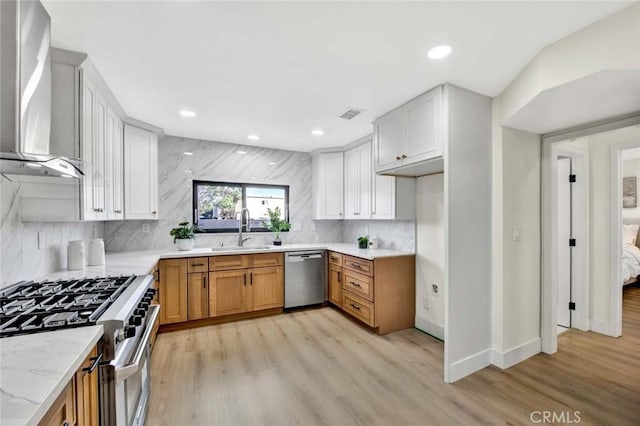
(20, 257)
(217, 161)
(390, 234)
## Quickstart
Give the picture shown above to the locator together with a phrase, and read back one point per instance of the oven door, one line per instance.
(132, 379)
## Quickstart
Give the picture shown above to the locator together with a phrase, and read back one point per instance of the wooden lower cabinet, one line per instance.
(78, 402)
(227, 292)
(266, 288)
(380, 292)
(335, 284)
(198, 296)
(173, 290)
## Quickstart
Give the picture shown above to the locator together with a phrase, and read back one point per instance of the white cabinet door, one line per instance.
(114, 167)
(99, 163)
(358, 173)
(88, 133)
(390, 134)
(328, 185)
(424, 126)
(140, 173)
(384, 197)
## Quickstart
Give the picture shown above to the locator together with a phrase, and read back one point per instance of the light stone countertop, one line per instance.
(35, 368)
(141, 262)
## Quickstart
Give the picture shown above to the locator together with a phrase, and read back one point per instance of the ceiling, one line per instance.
(281, 69)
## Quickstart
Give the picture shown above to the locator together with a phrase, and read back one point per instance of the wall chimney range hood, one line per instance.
(25, 93)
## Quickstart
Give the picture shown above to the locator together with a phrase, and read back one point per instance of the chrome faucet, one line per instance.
(247, 228)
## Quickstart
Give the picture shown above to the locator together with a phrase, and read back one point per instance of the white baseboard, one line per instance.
(429, 327)
(601, 327)
(468, 365)
(516, 354)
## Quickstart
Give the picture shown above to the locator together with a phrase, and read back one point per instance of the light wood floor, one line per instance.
(318, 367)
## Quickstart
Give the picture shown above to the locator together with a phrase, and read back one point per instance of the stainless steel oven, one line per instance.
(131, 374)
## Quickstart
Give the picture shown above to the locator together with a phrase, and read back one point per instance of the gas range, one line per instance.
(122, 305)
(30, 307)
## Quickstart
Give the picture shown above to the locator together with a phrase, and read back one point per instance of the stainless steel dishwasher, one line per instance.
(304, 278)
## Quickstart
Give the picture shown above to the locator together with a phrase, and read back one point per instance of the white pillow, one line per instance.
(629, 233)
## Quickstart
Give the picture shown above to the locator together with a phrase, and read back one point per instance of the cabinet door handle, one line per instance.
(339, 277)
(251, 278)
(204, 282)
(94, 363)
(245, 278)
(333, 258)
(197, 264)
(354, 306)
(355, 265)
(354, 283)
(404, 156)
(154, 212)
(398, 157)
(356, 213)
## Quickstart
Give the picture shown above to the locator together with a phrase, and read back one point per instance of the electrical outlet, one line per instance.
(434, 289)
(516, 233)
(425, 302)
(146, 228)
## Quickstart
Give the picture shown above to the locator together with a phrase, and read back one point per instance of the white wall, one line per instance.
(610, 44)
(20, 257)
(632, 168)
(430, 263)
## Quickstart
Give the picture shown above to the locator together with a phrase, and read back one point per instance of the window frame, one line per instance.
(243, 186)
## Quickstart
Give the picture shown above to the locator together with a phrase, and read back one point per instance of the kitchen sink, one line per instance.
(236, 248)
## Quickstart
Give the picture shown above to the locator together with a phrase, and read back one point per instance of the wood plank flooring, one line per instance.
(317, 367)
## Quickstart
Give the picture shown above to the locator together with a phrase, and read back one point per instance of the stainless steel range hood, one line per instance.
(25, 93)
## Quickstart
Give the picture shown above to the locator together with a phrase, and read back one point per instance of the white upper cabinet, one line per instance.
(114, 167)
(357, 182)
(328, 185)
(410, 134)
(394, 198)
(140, 173)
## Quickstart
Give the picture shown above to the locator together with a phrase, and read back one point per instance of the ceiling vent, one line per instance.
(350, 113)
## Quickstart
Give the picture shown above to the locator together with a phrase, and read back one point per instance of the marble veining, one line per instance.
(20, 258)
(35, 368)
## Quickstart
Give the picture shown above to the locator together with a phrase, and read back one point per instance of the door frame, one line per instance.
(615, 298)
(548, 314)
(580, 255)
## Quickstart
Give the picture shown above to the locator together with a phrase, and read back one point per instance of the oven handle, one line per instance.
(130, 369)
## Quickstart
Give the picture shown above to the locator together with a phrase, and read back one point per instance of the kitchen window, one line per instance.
(217, 206)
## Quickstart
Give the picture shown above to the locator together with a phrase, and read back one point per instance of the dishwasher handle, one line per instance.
(302, 257)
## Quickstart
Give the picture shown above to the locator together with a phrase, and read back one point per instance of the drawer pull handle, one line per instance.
(339, 276)
(404, 156)
(335, 259)
(197, 264)
(398, 157)
(354, 306)
(355, 265)
(94, 364)
(354, 283)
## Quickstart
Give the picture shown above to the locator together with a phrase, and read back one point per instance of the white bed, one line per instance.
(630, 254)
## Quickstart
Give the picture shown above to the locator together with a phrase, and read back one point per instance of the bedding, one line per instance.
(630, 263)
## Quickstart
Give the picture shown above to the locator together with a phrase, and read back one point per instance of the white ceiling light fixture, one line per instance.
(317, 132)
(253, 137)
(187, 113)
(241, 152)
(439, 52)
(188, 153)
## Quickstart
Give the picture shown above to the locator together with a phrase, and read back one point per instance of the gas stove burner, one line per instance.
(85, 299)
(61, 318)
(18, 306)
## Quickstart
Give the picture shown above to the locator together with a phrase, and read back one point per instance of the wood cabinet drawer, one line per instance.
(359, 284)
(358, 307)
(266, 259)
(198, 264)
(63, 409)
(221, 263)
(362, 266)
(335, 258)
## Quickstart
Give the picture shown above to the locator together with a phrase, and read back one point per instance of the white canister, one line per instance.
(75, 255)
(373, 244)
(96, 252)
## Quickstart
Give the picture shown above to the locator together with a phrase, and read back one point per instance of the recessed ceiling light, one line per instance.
(188, 153)
(187, 113)
(188, 171)
(439, 52)
(272, 163)
(241, 152)
(253, 137)
(317, 132)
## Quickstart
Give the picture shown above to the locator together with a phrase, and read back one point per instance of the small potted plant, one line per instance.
(276, 224)
(363, 241)
(184, 235)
